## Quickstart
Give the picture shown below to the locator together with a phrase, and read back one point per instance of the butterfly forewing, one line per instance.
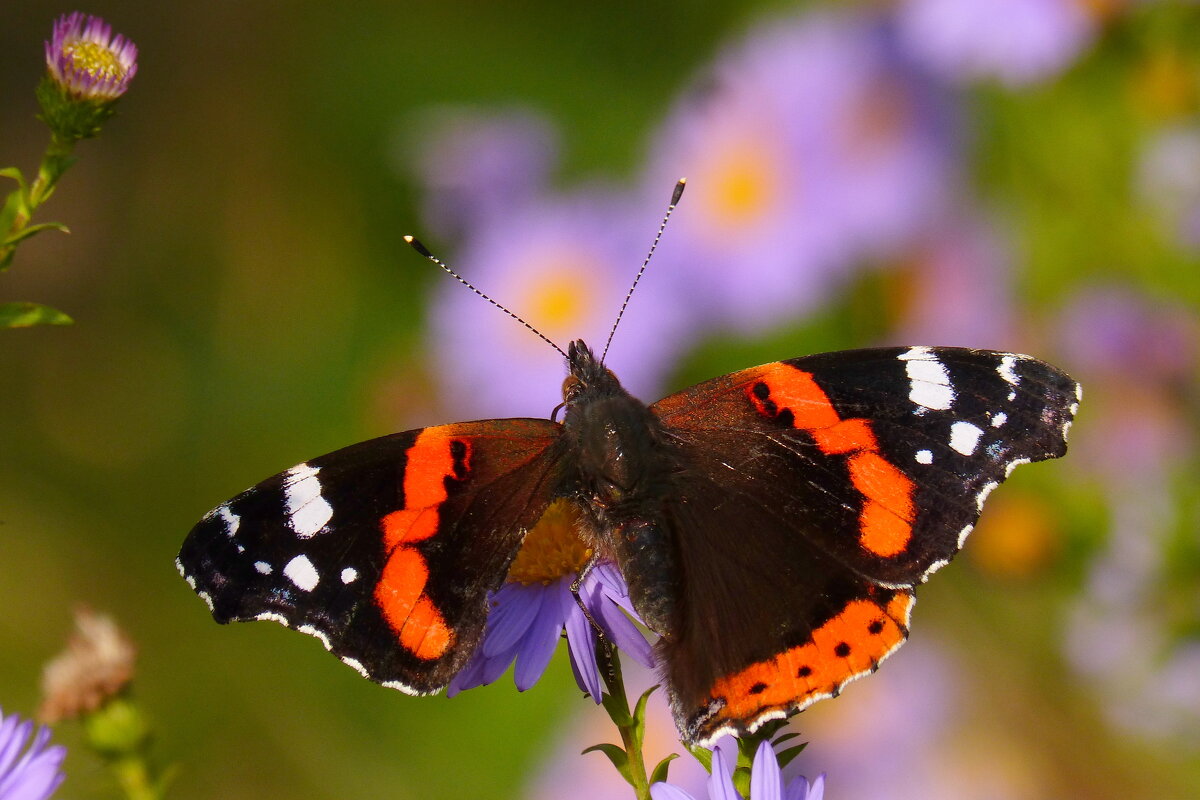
(342, 546)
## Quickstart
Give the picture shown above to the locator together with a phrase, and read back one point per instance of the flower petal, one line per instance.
(720, 783)
(581, 644)
(539, 642)
(514, 609)
(665, 791)
(766, 782)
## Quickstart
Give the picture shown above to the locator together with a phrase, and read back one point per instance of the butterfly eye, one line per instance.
(571, 388)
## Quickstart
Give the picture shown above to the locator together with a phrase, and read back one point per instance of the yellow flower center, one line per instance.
(555, 301)
(552, 548)
(95, 59)
(740, 187)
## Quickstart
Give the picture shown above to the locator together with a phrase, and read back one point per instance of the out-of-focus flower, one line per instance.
(37, 772)
(955, 289)
(477, 164)
(766, 781)
(808, 146)
(1016, 42)
(1168, 181)
(87, 61)
(529, 613)
(97, 664)
(1135, 356)
(565, 265)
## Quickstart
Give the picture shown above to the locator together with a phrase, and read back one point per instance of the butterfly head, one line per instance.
(589, 377)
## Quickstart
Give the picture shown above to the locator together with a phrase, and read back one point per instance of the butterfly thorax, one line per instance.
(624, 468)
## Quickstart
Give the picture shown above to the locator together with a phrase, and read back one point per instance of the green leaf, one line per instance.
(25, 233)
(703, 755)
(659, 775)
(618, 710)
(618, 757)
(639, 716)
(15, 174)
(25, 315)
(785, 756)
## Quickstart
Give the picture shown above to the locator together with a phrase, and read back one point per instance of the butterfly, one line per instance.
(771, 524)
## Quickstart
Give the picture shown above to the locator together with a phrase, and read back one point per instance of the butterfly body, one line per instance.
(771, 524)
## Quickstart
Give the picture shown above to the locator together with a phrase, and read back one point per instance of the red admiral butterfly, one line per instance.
(771, 524)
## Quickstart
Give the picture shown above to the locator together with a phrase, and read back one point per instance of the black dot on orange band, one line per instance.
(804, 672)
(761, 390)
(875, 627)
(758, 688)
(842, 650)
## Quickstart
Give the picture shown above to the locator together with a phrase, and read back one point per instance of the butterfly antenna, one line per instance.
(662, 227)
(423, 250)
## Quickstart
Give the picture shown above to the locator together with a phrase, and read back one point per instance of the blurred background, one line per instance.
(1012, 174)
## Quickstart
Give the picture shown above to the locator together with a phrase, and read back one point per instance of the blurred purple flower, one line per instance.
(87, 61)
(1136, 357)
(807, 146)
(37, 773)
(1016, 42)
(530, 612)
(766, 780)
(957, 289)
(477, 164)
(565, 265)
(1168, 180)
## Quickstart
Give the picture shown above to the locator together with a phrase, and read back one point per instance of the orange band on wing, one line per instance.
(433, 458)
(885, 522)
(849, 645)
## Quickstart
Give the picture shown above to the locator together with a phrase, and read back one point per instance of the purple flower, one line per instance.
(1016, 42)
(565, 265)
(36, 774)
(87, 61)
(808, 146)
(766, 781)
(477, 164)
(956, 289)
(531, 610)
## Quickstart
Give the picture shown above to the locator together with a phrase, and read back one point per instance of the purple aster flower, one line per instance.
(476, 164)
(808, 146)
(35, 775)
(1016, 42)
(565, 265)
(766, 780)
(956, 288)
(87, 61)
(532, 609)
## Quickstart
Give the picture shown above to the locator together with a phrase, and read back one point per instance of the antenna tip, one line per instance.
(416, 245)
(678, 193)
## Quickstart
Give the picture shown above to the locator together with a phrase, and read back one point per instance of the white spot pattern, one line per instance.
(263, 567)
(349, 575)
(308, 512)
(301, 572)
(924, 457)
(929, 383)
(964, 437)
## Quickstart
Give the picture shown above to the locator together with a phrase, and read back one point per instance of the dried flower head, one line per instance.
(96, 665)
(87, 61)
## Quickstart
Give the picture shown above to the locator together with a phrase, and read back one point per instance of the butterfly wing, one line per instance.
(384, 550)
(814, 494)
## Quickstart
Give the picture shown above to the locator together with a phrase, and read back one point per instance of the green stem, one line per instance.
(55, 161)
(133, 775)
(631, 735)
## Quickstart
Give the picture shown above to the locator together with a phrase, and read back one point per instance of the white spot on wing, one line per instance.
(207, 598)
(924, 457)
(1006, 371)
(301, 572)
(270, 616)
(983, 494)
(1016, 462)
(263, 567)
(964, 437)
(929, 383)
(357, 665)
(308, 512)
(999, 419)
(311, 631)
(349, 575)
(963, 534)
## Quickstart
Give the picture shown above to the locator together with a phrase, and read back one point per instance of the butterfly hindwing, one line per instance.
(851, 476)
(344, 546)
